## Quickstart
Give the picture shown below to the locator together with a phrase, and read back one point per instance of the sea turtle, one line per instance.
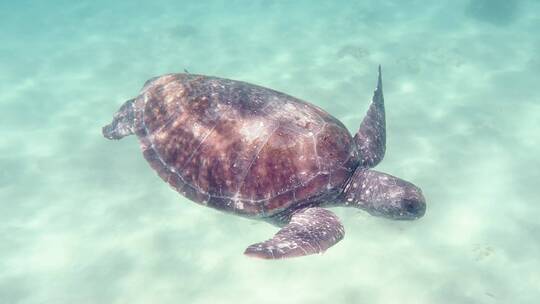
(262, 154)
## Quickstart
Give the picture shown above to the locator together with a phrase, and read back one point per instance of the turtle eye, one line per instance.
(410, 206)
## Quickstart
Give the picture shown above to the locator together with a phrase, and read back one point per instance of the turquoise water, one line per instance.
(84, 219)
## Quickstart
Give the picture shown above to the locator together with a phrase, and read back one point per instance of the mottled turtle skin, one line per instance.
(255, 152)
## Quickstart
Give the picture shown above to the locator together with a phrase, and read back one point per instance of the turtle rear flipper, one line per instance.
(123, 122)
(371, 137)
(310, 230)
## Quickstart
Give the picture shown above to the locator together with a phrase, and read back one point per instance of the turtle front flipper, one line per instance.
(310, 230)
(371, 137)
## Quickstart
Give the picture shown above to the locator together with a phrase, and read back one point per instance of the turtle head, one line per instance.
(384, 195)
(404, 201)
(123, 122)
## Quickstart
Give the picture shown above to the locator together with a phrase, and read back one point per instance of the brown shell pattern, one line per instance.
(240, 147)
